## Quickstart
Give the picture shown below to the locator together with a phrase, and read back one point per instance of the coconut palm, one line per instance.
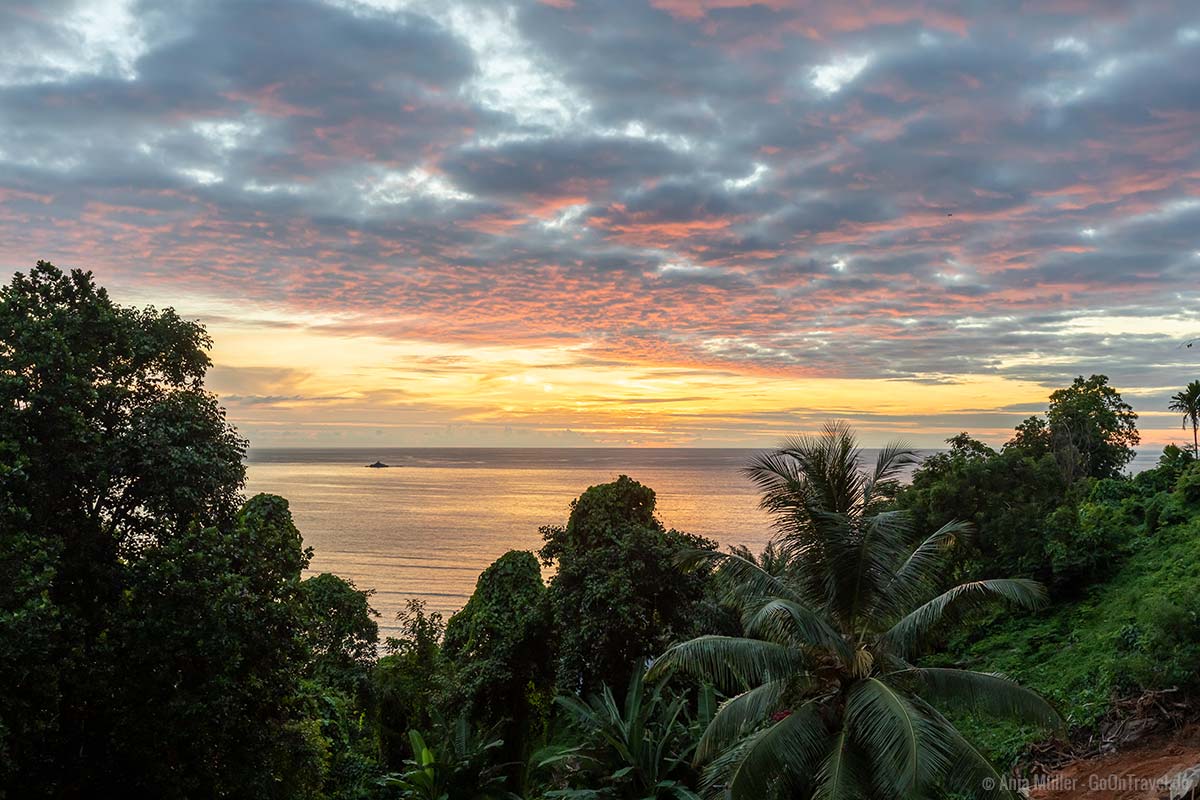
(826, 698)
(1187, 403)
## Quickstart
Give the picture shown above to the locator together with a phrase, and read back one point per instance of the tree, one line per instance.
(827, 697)
(204, 660)
(340, 633)
(30, 634)
(1088, 427)
(410, 680)
(116, 447)
(1009, 499)
(618, 594)
(1187, 403)
(500, 649)
(1032, 438)
(340, 637)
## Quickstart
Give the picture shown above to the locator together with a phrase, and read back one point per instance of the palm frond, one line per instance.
(894, 457)
(916, 580)
(811, 472)
(872, 557)
(912, 630)
(788, 622)
(842, 775)
(744, 577)
(786, 751)
(970, 773)
(986, 692)
(779, 480)
(907, 752)
(739, 715)
(729, 661)
(833, 464)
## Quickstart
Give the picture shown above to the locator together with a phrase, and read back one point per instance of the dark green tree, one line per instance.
(1088, 427)
(149, 626)
(410, 682)
(618, 594)
(30, 634)
(205, 655)
(340, 636)
(340, 633)
(1031, 439)
(500, 649)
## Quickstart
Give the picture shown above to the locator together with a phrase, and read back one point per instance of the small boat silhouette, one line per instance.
(377, 465)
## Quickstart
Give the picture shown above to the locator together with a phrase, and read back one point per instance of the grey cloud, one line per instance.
(534, 167)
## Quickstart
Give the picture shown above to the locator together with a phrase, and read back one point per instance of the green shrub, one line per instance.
(1084, 544)
(1163, 510)
(1111, 490)
(1187, 488)
(1162, 649)
(1171, 464)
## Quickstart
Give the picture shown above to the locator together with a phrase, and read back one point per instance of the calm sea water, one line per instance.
(427, 526)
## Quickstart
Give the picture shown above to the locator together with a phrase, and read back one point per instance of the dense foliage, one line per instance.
(618, 595)
(1137, 631)
(159, 638)
(155, 633)
(826, 697)
(1029, 502)
(501, 651)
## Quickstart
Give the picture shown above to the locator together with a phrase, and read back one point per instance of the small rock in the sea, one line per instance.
(377, 465)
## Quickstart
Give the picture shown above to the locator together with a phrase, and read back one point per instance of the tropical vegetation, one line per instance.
(825, 695)
(913, 627)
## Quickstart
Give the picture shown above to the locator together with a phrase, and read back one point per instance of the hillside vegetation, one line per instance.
(1134, 628)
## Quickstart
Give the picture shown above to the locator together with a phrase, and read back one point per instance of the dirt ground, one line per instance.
(1138, 772)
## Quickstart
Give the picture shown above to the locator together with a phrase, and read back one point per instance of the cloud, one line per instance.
(890, 191)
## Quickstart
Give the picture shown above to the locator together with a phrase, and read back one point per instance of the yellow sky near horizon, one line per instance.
(291, 383)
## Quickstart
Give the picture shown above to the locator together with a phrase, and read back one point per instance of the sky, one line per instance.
(657, 223)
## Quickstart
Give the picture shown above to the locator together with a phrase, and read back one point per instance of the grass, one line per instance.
(1135, 631)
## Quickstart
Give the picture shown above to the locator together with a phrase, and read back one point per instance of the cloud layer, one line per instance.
(668, 221)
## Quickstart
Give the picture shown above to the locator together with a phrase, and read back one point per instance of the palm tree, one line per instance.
(826, 700)
(1187, 403)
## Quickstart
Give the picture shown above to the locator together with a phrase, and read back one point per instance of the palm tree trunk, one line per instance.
(1195, 438)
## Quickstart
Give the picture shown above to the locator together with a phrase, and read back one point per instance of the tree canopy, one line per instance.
(618, 594)
(154, 623)
(1088, 427)
(501, 646)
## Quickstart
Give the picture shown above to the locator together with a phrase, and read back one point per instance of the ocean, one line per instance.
(428, 525)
